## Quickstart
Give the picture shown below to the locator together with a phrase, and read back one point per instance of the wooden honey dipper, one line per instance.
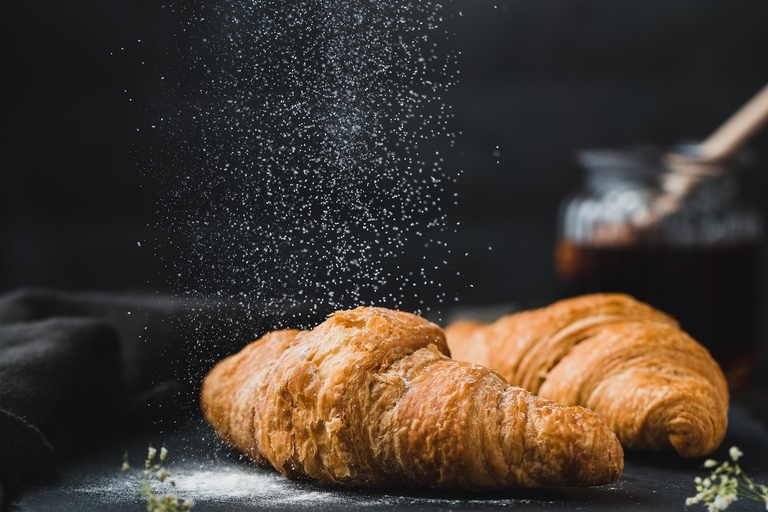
(688, 170)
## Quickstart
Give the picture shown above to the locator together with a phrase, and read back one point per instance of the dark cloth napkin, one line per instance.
(78, 367)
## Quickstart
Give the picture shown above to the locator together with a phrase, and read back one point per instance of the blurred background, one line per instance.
(538, 80)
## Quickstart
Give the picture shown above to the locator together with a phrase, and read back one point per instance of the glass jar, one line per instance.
(681, 238)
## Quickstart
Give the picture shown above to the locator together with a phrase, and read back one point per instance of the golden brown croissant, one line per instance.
(650, 382)
(371, 398)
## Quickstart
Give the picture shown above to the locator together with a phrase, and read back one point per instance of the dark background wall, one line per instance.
(538, 79)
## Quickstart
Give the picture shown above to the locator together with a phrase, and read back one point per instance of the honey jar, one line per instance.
(682, 239)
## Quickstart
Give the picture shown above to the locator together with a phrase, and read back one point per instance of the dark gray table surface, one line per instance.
(219, 480)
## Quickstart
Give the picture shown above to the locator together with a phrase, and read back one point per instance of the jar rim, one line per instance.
(634, 159)
(648, 159)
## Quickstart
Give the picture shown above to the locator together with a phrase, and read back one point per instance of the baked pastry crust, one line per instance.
(370, 397)
(654, 385)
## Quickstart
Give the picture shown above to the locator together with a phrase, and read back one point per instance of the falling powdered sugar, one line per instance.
(300, 150)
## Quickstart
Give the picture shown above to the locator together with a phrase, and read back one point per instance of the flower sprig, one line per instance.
(725, 484)
(155, 502)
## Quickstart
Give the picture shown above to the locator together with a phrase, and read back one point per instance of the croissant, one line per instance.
(370, 397)
(650, 382)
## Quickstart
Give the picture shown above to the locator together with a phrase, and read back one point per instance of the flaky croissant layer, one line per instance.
(371, 398)
(653, 384)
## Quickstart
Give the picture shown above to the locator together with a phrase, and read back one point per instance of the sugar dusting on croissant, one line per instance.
(653, 384)
(371, 398)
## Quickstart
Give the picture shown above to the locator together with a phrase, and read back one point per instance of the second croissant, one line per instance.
(654, 385)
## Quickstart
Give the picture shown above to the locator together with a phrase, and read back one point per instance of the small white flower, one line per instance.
(722, 501)
(155, 502)
(725, 484)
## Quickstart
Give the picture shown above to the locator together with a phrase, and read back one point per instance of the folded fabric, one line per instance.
(73, 365)
(53, 373)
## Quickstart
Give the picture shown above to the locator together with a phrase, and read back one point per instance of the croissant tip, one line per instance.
(695, 436)
(617, 459)
(615, 455)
